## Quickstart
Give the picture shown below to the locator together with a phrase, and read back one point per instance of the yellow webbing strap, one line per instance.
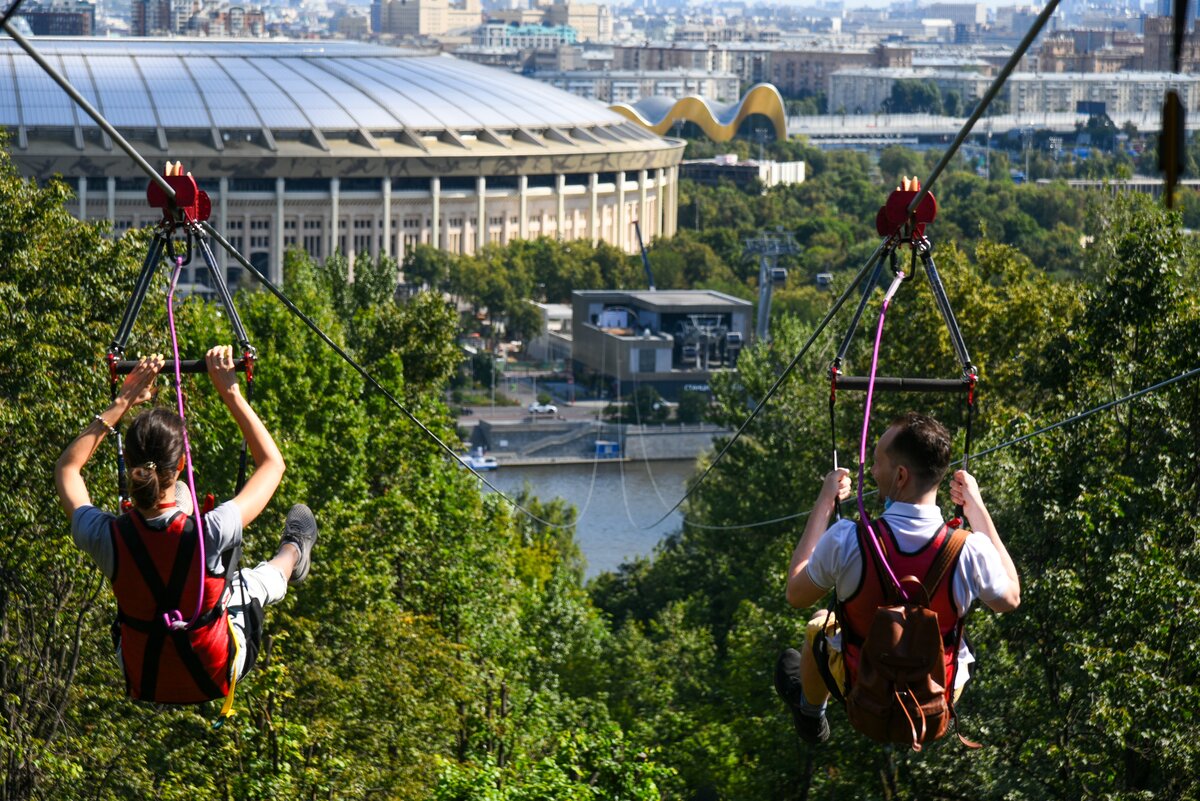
(227, 710)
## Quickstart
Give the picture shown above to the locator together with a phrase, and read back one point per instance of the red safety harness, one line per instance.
(857, 612)
(181, 666)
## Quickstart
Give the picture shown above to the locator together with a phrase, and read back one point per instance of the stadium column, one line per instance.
(387, 217)
(112, 203)
(83, 198)
(560, 188)
(435, 234)
(523, 206)
(335, 186)
(673, 188)
(593, 209)
(481, 228)
(660, 199)
(277, 239)
(642, 176)
(622, 238)
(223, 210)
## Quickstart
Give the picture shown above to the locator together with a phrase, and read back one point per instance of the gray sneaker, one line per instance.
(300, 530)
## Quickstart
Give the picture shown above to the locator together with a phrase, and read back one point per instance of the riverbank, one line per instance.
(548, 461)
(532, 440)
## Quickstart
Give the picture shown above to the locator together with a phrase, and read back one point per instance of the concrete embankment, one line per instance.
(533, 441)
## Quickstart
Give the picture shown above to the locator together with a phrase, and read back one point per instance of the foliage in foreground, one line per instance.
(437, 641)
(1089, 690)
(445, 649)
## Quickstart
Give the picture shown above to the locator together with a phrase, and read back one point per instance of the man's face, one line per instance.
(884, 468)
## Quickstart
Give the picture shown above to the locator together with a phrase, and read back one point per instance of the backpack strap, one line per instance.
(960, 629)
(946, 559)
(820, 647)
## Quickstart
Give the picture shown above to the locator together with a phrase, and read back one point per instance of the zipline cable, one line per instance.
(637, 413)
(11, 12)
(1096, 410)
(599, 428)
(167, 189)
(984, 102)
(362, 371)
(621, 460)
(980, 107)
(883, 247)
(90, 110)
(986, 452)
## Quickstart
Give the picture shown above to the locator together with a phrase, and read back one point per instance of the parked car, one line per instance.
(542, 408)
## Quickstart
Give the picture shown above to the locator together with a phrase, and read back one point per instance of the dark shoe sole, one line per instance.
(790, 687)
(300, 530)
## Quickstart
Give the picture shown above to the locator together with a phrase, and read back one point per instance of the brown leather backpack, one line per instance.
(900, 693)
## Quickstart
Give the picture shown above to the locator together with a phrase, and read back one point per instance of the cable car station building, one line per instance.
(673, 340)
(337, 146)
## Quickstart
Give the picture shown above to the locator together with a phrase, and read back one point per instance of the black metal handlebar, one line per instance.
(125, 366)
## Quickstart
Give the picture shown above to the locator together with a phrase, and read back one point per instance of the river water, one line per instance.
(615, 502)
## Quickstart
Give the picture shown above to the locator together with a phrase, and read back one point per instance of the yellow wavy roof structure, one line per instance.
(719, 121)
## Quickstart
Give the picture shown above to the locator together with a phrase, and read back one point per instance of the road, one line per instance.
(526, 394)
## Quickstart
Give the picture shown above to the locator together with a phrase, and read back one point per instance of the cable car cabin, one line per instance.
(779, 276)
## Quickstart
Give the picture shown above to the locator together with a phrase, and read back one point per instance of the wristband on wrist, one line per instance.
(111, 430)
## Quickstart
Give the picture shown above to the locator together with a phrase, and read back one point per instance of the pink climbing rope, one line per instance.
(866, 426)
(174, 619)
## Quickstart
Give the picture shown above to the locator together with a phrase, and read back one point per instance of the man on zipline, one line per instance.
(151, 553)
(910, 460)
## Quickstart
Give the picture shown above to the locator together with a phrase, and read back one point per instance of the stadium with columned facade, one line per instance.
(337, 145)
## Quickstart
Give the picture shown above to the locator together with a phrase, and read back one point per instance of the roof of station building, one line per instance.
(282, 87)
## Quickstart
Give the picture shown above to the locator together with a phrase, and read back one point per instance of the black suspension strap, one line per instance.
(966, 458)
(924, 249)
(837, 504)
(835, 369)
(868, 289)
(184, 210)
(902, 220)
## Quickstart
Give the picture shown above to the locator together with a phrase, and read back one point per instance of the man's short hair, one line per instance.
(921, 444)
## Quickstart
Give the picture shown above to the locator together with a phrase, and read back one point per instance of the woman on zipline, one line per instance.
(152, 552)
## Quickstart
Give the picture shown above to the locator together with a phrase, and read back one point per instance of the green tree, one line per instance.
(381, 669)
(913, 96)
(692, 407)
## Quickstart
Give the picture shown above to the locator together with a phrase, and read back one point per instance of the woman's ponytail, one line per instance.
(154, 447)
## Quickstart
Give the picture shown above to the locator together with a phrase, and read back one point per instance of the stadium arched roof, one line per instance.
(719, 121)
(216, 90)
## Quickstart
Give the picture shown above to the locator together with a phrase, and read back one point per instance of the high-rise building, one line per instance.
(61, 18)
(150, 17)
(430, 18)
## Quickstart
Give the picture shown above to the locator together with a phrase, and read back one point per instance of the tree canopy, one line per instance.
(447, 647)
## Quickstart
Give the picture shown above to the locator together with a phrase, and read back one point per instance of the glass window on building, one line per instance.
(646, 360)
(260, 234)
